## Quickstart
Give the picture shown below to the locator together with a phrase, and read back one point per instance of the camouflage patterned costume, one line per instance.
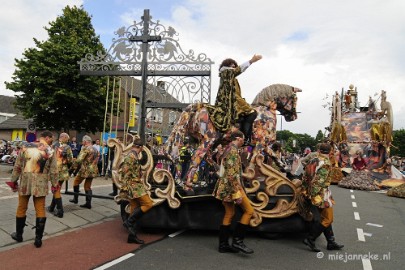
(133, 188)
(35, 168)
(87, 160)
(64, 157)
(317, 180)
(130, 172)
(228, 187)
(230, 191)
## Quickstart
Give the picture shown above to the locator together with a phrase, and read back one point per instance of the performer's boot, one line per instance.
(130, 224)
(59, 208)
(20, 224)
(238, 237)
(315, 232)
(75, 199)
(51, 207)
(224, 247)
(133, 239)
(330, 237)
(115, 190)
(88, 199)
(247, 126)
(39, 231)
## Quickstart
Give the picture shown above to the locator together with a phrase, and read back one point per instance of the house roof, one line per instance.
(6, 104)
(16, 122)
(153, 92)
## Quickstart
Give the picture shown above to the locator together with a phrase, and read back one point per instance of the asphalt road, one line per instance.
(372, 237)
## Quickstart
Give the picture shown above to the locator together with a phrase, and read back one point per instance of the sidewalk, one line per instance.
(74, 217)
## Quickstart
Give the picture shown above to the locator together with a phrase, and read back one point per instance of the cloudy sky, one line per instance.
(320, 46)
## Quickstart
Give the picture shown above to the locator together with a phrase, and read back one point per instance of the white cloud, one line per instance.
(337, 43)
(20, 22)
(128, 17)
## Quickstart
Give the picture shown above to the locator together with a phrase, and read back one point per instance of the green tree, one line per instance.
(305, 140)
(398, 148)
(284, 135)
(52, 92)
(301, 141)
(319, 136)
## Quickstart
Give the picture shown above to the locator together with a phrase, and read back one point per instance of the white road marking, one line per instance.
(351, 190)
(379, 191)
(374, 225)
(366, 264)
(100, 186)
(114, 262)
(176, 233)
(354, 204)
(368, 234)
(353, 197)
(356, 216)
(360, 235)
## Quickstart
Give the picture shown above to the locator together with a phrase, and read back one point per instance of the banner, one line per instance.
(17, 135)
(107, 135)
(132, 110)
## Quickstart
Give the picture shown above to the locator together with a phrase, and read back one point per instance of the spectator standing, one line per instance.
(75, 146)
(185, 159)
(97, 146)
(104, 158)
(111, 152)
(174, 153)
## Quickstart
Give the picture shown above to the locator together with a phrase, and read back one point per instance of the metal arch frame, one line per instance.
(149, 49)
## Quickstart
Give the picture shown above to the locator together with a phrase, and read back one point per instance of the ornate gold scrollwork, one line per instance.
(272, 180)
(159, 175)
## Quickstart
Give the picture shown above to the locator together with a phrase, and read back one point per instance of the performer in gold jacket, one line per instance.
(64, 158)
(134, 189)
(316, 182)
(35, 167)
(229, 106)
(229, 190)
(87, 161)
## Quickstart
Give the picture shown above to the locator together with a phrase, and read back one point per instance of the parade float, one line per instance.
(365, 132)
(188, 202)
